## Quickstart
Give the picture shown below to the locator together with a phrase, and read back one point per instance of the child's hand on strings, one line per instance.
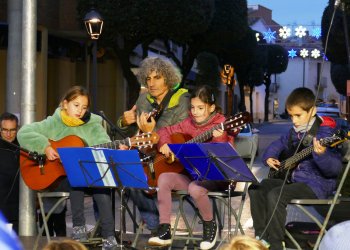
(318, 148)
(218, 132)
(273, 163)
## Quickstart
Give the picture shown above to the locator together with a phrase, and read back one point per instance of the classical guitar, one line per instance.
(292, 162)
(42, 177)
(161, 163)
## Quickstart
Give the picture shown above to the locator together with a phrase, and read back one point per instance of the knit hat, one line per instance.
(337, 238)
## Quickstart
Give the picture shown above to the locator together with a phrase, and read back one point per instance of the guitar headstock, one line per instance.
(144, 140)
(338, 137)
(237, 122)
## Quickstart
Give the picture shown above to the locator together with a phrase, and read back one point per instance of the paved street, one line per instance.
(267, 133)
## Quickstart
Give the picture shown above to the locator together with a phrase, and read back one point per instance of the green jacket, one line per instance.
(35, 136)
(176, 111)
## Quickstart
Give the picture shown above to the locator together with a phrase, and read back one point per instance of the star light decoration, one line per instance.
(315, 53)
(284, 32)
(257, 36)
(292, 53)
(300, 31)
(269, 35)
(304, 53)
(316, 32)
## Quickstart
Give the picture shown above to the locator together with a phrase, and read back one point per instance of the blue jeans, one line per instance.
(147, 207)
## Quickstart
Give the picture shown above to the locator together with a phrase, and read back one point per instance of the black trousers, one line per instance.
(263, 199)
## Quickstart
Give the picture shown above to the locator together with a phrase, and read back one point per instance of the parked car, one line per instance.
(332, 110)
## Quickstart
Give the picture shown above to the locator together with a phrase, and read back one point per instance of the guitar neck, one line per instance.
(297, 157)
(303, 154)
(113, 144)
(206, 135)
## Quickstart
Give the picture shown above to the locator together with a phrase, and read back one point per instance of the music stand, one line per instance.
(95, 167)
(214, 161)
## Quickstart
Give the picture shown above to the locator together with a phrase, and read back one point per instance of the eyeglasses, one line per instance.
(11, 130)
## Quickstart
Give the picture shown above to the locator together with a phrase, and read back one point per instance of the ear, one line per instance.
(313, 111)
(212, 108)
(64, 104)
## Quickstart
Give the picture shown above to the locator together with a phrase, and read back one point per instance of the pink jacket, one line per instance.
(189, 128)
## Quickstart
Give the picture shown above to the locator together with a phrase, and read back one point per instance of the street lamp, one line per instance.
(94, 23)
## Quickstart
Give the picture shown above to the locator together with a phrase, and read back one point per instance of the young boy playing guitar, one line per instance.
(313, 177)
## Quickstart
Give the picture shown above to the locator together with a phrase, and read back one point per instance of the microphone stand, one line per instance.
(114, 129)
(39, 158)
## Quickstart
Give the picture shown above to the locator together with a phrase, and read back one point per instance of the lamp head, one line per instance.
(93, 23)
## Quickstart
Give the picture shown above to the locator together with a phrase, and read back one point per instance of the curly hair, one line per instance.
(163, 67)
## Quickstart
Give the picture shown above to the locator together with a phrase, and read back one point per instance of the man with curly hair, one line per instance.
(162, 80)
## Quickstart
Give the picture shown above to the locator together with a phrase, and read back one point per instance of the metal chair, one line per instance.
(304, 204)
(61, 197)
(246, 146)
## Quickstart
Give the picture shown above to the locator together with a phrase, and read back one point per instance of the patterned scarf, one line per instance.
(70, 121)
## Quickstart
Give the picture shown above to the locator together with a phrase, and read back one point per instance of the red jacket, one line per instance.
(189, 128)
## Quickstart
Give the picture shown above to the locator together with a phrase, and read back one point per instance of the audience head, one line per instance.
(8, 126)
(337, 238)
(65, 245)
(244, 242)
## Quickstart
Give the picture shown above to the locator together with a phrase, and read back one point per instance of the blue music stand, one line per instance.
(108, 168)
(212, 161)
(97, 167)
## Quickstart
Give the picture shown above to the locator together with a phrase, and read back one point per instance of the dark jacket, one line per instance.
(319, 172)
(176, 111)
(9, 182)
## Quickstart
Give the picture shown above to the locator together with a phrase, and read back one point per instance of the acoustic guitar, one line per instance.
(161, 164)
(292, 162)
(41, 177)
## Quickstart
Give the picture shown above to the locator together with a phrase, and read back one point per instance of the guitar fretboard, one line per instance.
(206, 135)
(113, 144)
(305, 153)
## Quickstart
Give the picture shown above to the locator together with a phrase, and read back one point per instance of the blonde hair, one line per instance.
(65, 245)
(244, 242)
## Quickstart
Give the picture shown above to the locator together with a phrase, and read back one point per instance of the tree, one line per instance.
(340, 73)
(208, 70)
(277, 62)
(130, 23)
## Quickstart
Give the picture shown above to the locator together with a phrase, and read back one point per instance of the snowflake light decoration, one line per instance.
(300, 31)
(304, 53)
(269, 36)
(292, 53)
(284, 32)
(315, 53)
(316, 32)
(257, 36)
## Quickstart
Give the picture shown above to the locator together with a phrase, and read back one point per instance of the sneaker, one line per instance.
(163, 237)
(110, 243)
(80, 233)
(210, 234)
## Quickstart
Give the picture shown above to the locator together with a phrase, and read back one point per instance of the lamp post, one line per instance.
(94, 23)
(304, 53)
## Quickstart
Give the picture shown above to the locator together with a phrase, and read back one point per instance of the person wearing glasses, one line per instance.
(9, 168)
